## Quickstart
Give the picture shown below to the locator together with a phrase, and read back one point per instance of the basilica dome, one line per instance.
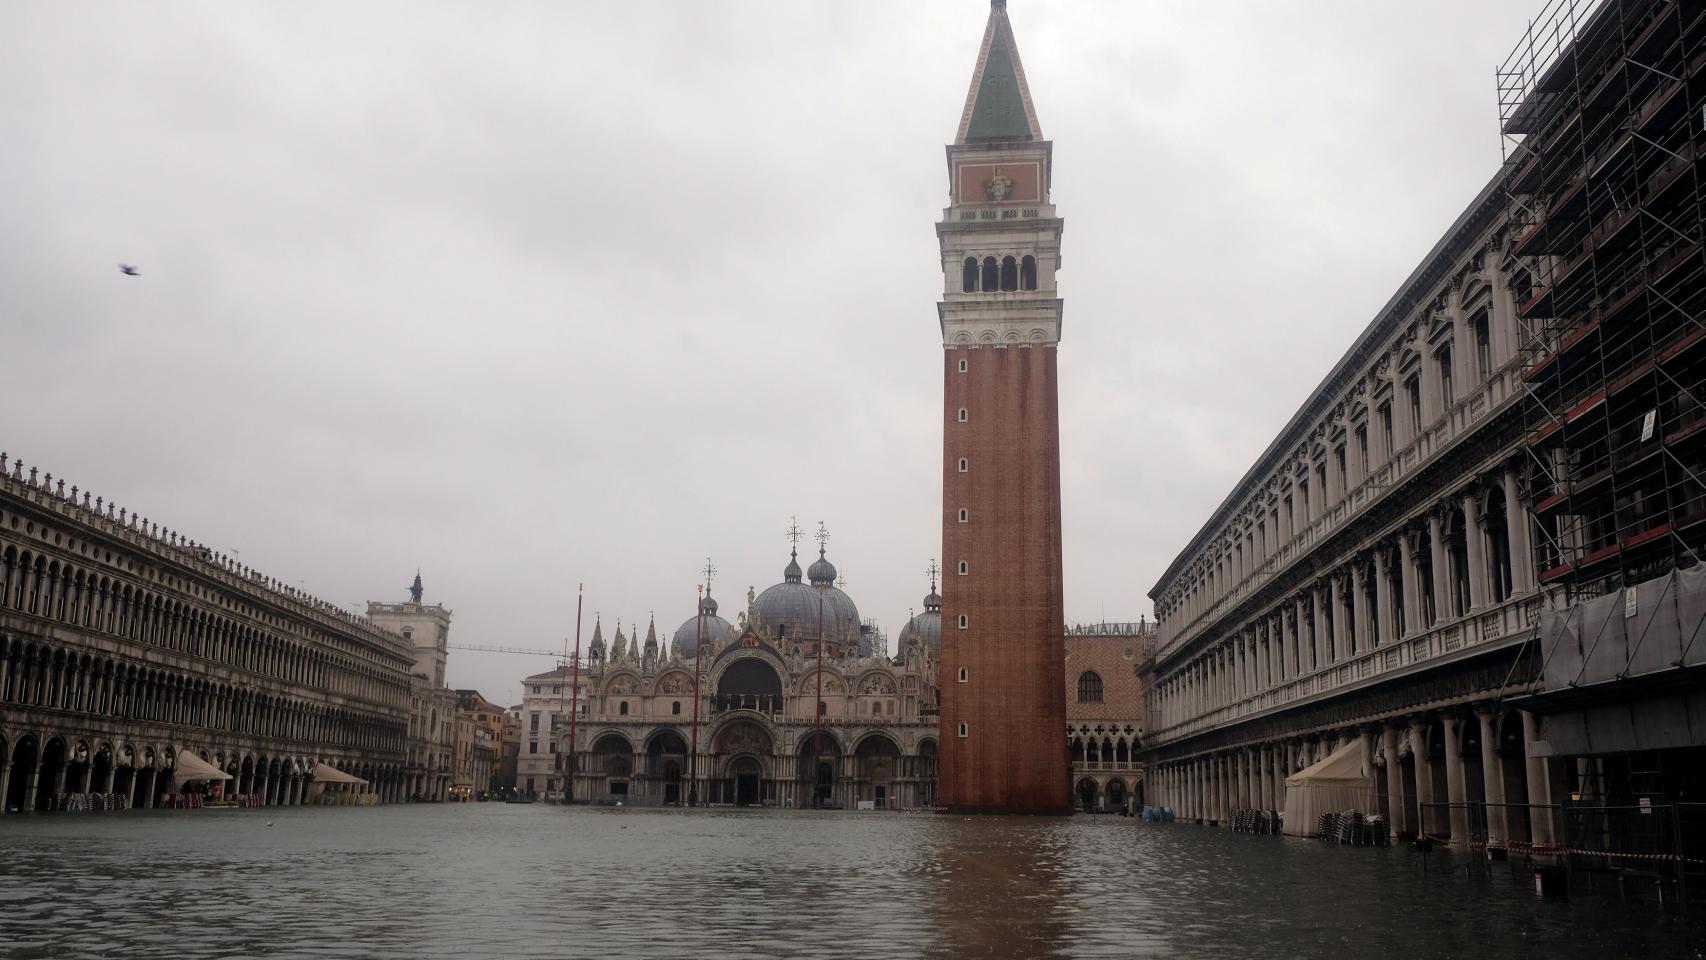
(790, 609)
(926, 628)
(717, 632)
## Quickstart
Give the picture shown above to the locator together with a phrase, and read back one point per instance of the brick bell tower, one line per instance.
(1002, 671)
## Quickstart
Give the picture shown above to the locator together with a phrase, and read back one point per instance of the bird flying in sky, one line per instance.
(129, 270)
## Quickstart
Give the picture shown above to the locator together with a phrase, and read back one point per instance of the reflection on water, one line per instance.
(491, 880)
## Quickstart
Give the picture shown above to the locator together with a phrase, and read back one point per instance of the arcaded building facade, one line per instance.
(1002, 607)
(1474, 553)
(1371, 579)
(122, 644)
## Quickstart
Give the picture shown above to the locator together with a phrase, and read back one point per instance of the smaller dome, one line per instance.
(791, 572)
(924, 629)
(822, 572)
(718, 631)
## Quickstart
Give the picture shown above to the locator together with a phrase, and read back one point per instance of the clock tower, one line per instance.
(1002, 671)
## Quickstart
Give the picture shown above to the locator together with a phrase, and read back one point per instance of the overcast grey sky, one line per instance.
(532, 294)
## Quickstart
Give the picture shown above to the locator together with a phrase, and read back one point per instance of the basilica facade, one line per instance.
(793, 704)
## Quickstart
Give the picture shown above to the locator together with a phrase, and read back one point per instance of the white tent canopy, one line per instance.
(1339, 782)
(189, 767)
(326, 773)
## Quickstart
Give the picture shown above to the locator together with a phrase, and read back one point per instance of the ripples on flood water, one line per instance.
(511, 881)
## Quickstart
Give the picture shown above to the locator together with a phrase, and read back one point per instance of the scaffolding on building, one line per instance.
(1601, 125)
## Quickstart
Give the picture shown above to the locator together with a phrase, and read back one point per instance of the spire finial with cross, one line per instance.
(933, 570)
(793, 534)
(709, 572)
(822, 538)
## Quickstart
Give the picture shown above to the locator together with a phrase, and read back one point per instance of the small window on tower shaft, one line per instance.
(965, 568)
(962, 414)
(965, 674)
(965, 465)
(963, 365)
(965, 621)
(964, 730)
(964, 515)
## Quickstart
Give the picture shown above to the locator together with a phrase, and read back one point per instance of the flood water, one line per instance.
(490, 880)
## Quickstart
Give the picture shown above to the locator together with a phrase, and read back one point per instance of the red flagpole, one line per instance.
(817, 730)
(574, 698)
(698, 656)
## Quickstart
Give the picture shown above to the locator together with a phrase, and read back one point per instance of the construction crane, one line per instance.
(524, 651)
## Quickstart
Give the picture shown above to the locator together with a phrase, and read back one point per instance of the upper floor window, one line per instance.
(1483, 346)
(1362, 447)
(1028, 273)
(991, 275)
(1447, 394)
(968, 280)
(1009, 274)
(1386, 426)
(1413, 390)
(1089, 687)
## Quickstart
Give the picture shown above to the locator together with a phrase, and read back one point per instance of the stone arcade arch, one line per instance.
(744, 749)
(1086, 793)
(1514, 759)
(610, 765)
(50, 780)
(666, 765)
(818, 773)
(1116, 794)
(876, 768)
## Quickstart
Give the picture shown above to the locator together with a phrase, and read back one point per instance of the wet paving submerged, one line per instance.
(490, 880)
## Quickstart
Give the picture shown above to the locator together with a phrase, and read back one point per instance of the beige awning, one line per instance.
(326, 773)
(1332, 785)
(191, 767)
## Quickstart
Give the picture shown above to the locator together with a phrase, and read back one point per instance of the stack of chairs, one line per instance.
(1353, 828)
(1255, 821)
